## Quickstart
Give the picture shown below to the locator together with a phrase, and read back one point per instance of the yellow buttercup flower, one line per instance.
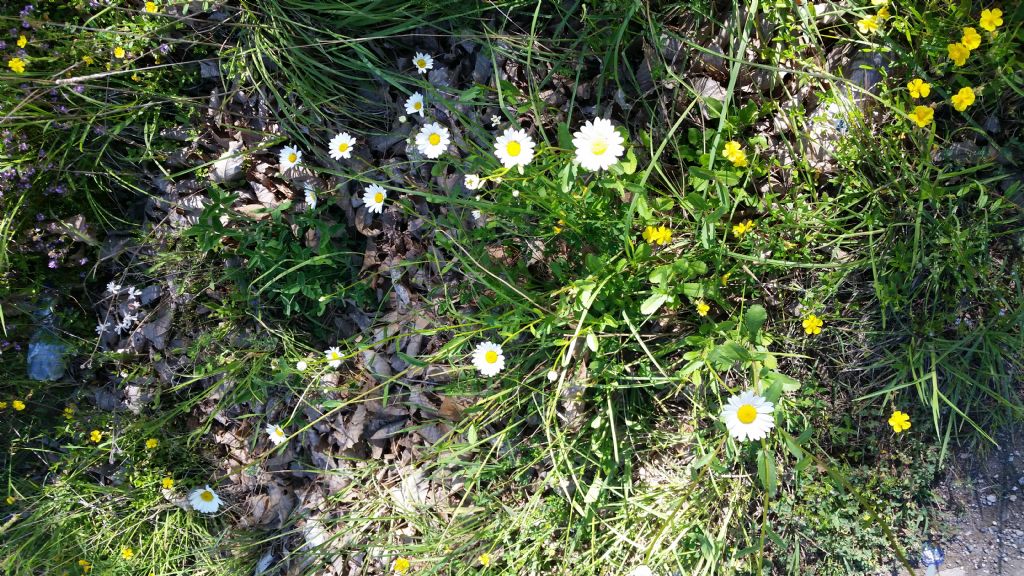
(18, 405)
(150, 7)
(119, 52)
(813, 324)
(3, 405)
(127, 553)
(702, 308)
(167, 483)
(401, 565)
(657, 235)
(484, 559)
(883, 13)
(22, 41)
(17, 65)
(88, 60)
(85, 565)
(868, 25)
(152, 443)
(96, 436)
(958, 53)
(899, 421)
(971, 39)
(69, 412)
(991, 19)
(742, 228)
(963, 99)
(922, 115)
(919, 88)
(734, 153)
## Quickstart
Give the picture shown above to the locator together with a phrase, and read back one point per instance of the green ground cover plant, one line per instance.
(386, 287)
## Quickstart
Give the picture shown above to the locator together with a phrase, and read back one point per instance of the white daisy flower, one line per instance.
(113, 287)
(598, 145)
(374, 198)
(748, 416)
(276, 434)
(310, 194)
(204, 500)
(495, 120)
(333, 356)
(301, 365)
(472, 181)
(432, 140)
(341, 146)
(514, 148)
(289, 157)
(488, 359)
(423, 62)
(414, 105)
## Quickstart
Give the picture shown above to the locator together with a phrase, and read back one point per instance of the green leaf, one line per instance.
(564, 137)
(753, 319)
(725, 355)
(661, 275)
(651, 305)
(629, 165)
(766, 471)
(786, 383)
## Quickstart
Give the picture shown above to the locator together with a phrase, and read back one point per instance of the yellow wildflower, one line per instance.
(991, 19)
(725, 278)
(88, 60)
(69, 412)
(167, 483)
(883, 13)
(96, 436)
(742, 228)
(85, 565)
(702, 308)
(484, 559)
(899, 421)
(657, 235)
(151, 7)
(17, 65)
(963, 99)
(919, 88)
(18, 405)
(22, 41)
(734, 153)
(119, 52)
(958, 53)
(971, 39)
(127, 553)
(813, 324)
(401, 565)
(3, 405)
(868, 25)
(922, 115)
(152, 443)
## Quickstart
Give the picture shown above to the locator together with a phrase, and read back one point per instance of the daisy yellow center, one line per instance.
(378, 197)
(599, 147)
(434, 139)
(746, 414)
(343, 147)
(417, 105)
(421, 63)
(292, 157)
(206, 496)
(491, 356)
(278, 431)
(514, 148)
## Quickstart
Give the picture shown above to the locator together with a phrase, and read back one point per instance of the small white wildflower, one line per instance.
(495, 120)
(472, 181)
(133, 292)
(414, 105)
(552, 375)
(598, 145)
(276, 434)
(514, 149)
(403, 119)
(102, 328)
(423, 62)
(341, 146)
(432, 140)
(374, 198)
(113, 287)
(333, 356)
(310, 194)
(301, 365)
(204, 500)
(488, 358)
(290, 156)
(515, 193)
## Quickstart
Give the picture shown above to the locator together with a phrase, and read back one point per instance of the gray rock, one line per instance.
(229, 166)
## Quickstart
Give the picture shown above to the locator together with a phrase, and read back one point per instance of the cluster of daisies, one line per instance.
(598, 146)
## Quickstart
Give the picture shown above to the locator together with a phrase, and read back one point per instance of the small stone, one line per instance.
(991, 499)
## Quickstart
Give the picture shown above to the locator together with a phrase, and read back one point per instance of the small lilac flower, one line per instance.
(83, 261)
(52, 264)
(79, 89)
(40, 217)
(164, 48)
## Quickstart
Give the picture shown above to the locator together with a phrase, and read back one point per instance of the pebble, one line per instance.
(991, 499)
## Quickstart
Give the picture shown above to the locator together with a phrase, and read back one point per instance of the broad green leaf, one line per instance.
(753, 319)
(653, 303)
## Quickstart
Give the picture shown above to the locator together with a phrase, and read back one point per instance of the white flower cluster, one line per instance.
(123, 311)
